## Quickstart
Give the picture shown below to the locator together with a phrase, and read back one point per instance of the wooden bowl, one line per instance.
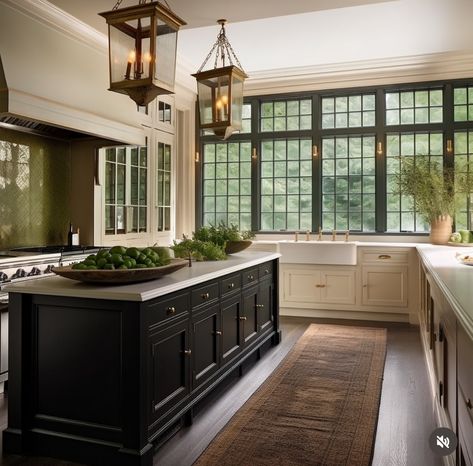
(119, 276)
(233, 247)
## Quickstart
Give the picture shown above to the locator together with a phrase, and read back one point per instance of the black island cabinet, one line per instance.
(99, 374)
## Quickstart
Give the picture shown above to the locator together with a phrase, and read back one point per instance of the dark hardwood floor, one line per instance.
(406, 416)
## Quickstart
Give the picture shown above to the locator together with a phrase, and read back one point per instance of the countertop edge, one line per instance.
(64, 287)
(465, 320)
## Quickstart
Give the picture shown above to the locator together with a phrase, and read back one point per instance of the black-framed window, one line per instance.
(353, 140)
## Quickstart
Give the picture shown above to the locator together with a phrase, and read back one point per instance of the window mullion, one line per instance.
(316, 165)
(380, 162)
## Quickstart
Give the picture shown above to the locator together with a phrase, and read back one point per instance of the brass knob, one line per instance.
(242, 318)
(365, 286)
(250, 277)
(205, 295)
(231, 286)
(170, 310)
(187, 352)
(259, 306)
(320, 286)
(384, 256)
(218, 332)
(468, 404)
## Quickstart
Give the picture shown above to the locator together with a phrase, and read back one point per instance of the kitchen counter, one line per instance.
(453, 278)
(189, 276)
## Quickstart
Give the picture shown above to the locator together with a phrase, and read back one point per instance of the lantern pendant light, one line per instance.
(142, 50)
(220, 90)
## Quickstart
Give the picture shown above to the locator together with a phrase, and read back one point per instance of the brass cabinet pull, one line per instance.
(231, 286)
(205, 295)
(218, 332)
(468, 404)
(320, 286)
(187, 352)
(384, 256)
(250, 277)
(365, 286)
(242, 317)
(170, 310)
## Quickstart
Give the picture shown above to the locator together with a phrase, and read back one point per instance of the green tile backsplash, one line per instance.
(35, 179)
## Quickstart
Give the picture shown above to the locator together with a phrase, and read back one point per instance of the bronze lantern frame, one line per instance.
(141, 86)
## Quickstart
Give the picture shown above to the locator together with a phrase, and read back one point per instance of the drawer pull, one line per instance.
(231, 286)
(259, 306)
(468, 404)
(242, 317)
(218, 332)
(384, 256)
(187, 352)
(205, 295)
(266, 271)
(251, 277)
(320, 286)
(170, 310)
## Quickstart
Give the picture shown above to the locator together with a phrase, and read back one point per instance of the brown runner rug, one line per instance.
(319, 407)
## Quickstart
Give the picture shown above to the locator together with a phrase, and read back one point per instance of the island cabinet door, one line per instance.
(205, 344)
(264, 305)
(249, 317)
(230, 328)
(170, 367)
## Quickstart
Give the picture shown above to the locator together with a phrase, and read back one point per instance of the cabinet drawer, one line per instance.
(465, 356)
(249, 276)
(204, 294)
(168, 308)
(385, 256)
(265, 270)
(230, 284)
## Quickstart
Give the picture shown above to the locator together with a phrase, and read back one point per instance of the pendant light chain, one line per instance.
(224, 50)
(141, 2)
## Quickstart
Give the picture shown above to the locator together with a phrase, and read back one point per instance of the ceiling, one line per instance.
(301, 34)
(206, 12)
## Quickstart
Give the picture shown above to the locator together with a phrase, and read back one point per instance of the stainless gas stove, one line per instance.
(30, 264)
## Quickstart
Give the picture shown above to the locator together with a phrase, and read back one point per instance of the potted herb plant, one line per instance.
(434, 190)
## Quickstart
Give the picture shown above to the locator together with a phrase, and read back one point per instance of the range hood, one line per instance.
(54, 81)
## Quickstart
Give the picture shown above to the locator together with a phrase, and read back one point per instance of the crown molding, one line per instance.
(446, 65)
(52, 16)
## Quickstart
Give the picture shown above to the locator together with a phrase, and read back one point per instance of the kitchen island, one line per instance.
(99, 373)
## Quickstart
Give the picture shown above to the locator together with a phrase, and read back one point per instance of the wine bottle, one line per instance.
(69, 235)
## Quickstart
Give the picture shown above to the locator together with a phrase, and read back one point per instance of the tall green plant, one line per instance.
(433, 188)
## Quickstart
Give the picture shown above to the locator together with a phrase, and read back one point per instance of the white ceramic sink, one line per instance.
(318, 252)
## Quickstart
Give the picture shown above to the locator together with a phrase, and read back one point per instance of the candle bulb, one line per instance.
(225, 106)
(131, 59)
(219, 107)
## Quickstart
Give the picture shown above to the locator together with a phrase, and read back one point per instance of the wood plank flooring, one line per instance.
(405, 422)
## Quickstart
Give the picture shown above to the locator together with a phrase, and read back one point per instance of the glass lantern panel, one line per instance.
(213, 99)
(130, 51)
(237, 102)
(166, 44)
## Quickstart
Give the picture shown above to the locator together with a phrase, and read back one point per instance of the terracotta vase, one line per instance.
(441, 230)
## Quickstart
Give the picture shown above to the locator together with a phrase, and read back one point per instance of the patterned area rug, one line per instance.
(319, 407)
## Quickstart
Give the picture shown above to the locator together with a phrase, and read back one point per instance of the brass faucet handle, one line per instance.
(346, 235)
(334, 235)
(307, 235)
(296, 236)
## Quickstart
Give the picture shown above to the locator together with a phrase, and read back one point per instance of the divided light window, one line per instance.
(163, 177)
(463, 143)
(353, 111)
(463, 103)
(348, 183)
(125, 190)
(401, 214)
(226, 192)
(286, 115)
(286, 184)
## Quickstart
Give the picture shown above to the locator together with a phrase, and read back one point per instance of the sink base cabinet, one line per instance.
(98, 381)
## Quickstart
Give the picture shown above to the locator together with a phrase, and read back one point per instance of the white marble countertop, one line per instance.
(453, 278)
(199, 272)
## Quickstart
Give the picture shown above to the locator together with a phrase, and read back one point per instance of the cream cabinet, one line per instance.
(384, 277)
(305, 285)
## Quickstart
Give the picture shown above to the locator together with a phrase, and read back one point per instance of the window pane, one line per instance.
(414, 107)
(348, 111)
(345, 182)
(291, 115)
